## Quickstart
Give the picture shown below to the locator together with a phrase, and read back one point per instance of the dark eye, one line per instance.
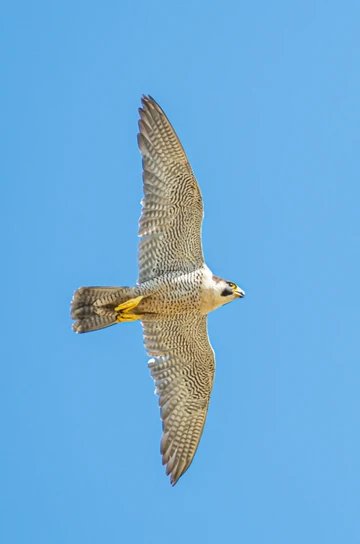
(232, 285)
(227, 292)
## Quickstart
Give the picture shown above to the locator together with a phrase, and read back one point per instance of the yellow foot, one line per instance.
(125, 308)
(129, 304)
(127, 318)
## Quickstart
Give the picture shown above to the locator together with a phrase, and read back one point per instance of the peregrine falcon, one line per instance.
(174, 293)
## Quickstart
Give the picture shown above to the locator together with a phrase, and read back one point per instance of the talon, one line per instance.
(125, 317)
(125, 308)
(128, 305)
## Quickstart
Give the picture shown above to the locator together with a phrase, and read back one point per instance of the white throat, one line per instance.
(210, 293)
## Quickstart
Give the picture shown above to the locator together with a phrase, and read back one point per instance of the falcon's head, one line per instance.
(216, 292)
(230, 290)
(224, 291)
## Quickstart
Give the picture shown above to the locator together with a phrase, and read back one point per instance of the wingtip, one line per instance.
(145, 98)
(148, 101)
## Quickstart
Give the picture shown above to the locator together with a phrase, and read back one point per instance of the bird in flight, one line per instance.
(174, 293)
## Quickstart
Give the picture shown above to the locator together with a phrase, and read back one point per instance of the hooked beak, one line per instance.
(239, 293)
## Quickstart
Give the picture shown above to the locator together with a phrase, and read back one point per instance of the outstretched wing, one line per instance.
(172, 208)
(183, 368)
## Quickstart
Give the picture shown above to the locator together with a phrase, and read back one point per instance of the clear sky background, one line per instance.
(265, 97)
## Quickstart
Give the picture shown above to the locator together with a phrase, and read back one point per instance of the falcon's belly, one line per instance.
(180, 294)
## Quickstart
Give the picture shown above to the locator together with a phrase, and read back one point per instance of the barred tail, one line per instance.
(93, 308)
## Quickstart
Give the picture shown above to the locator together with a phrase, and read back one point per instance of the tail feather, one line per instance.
(92, 308)
(92, 323)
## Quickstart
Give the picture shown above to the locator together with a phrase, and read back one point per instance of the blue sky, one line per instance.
(265, 97)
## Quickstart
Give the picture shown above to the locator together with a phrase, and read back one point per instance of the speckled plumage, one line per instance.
(175, 291)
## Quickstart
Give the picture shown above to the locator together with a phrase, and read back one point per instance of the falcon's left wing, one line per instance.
(183, 368)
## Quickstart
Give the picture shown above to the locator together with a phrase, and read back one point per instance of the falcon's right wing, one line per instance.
(172, 212)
